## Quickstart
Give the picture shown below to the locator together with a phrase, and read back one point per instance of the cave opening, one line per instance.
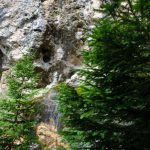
(46, 58)
(47, 53)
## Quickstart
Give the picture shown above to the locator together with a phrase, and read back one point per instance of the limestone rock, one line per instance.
(54, 29)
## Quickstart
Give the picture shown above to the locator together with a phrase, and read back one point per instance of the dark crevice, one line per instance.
(46, 58)
(44, 50)
(38, 30)
(46, 53)
(1, 61)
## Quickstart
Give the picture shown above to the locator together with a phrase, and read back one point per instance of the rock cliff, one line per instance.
(54, 29)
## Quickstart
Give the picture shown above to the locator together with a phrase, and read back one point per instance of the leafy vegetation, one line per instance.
(18, 110)
(110, 109)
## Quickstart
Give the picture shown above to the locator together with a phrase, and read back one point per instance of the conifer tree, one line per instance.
(110, 109)
(18, 110)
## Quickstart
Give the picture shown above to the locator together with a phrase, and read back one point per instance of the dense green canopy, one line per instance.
(110, 109)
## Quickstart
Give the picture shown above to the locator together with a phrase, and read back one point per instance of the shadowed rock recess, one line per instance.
(55, 30)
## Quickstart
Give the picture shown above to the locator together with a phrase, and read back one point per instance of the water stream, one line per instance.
(51, 115)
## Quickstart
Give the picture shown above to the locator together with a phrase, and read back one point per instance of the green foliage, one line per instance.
(110, 110)
(22, 81)
(18, 110)
(69, 101)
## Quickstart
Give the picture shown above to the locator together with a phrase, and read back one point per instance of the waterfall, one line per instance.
(50, 114)
(47, 129)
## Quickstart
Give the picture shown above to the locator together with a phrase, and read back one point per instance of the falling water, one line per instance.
(50, 113)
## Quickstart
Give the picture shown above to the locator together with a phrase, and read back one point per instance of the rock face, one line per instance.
(54, 29)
